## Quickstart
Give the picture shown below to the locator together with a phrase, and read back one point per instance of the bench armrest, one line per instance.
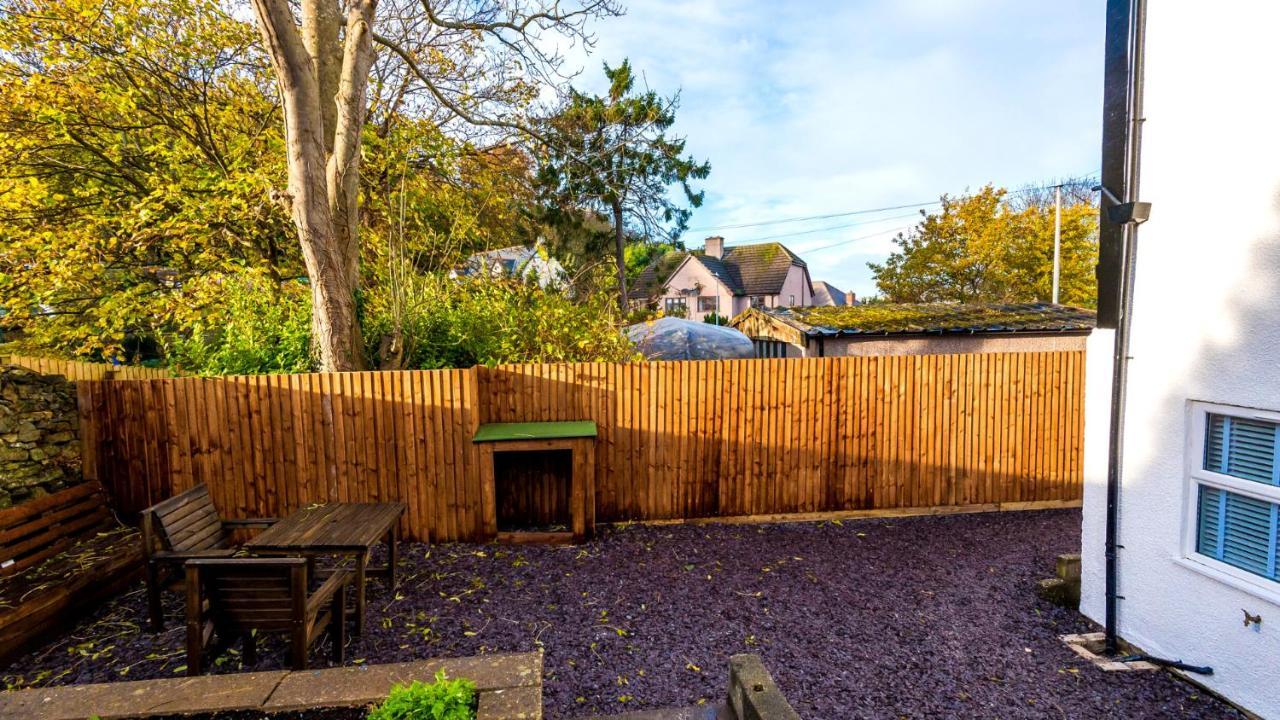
(251, 522)
(324, 593)
(185, 555)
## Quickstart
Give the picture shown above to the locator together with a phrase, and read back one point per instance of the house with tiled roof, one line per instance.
(530, 263)
(824, 293)
(725, 281)
(914, 329)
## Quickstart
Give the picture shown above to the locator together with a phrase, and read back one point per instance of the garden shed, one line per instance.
(914, 329)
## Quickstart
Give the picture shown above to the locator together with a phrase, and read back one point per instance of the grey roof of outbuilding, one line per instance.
(935, 319)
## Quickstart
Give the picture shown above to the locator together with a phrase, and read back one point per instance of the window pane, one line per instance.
(1209, 525)
(1246, 539)
(1238, 530)
(1215, 432)
(1241, 448)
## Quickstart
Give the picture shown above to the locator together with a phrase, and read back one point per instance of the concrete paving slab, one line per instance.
(242, 691)
(351, 686)
(508, 683)
(520, 703)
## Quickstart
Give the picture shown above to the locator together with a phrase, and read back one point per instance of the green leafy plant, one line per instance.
(459, 322)
(243, 323)
(443, 699)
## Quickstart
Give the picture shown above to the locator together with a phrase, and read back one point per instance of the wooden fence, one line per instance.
(76, 371)
(677, 439)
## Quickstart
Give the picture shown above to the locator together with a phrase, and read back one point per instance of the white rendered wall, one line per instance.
(796, 285)
(1206, 327)
(690, 275)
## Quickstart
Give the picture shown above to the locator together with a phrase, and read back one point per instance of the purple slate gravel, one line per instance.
(910, 617)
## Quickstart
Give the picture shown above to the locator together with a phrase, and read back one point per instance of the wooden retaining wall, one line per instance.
(677, 439)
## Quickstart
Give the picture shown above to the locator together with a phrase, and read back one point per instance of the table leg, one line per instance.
(362, 562)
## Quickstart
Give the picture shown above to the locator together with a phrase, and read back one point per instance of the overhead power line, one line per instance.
(828, 216)
(856, 239)
(867, 211)
(868, 236)
(828, 228)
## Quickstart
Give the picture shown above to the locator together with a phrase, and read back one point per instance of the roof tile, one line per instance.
(745, 270)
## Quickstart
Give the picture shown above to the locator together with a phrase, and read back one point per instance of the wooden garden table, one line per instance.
(342, 529)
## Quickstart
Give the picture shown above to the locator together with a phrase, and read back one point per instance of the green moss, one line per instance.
(925, 317)
(650, 282)
(763, 253)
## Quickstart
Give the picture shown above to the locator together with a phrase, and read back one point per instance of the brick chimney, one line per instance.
(715, 246)
(850, 298)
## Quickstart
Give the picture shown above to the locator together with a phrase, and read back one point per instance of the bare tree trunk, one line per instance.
(620, 253)
(323, 84)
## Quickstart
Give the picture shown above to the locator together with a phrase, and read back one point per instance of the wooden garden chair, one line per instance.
(184, 527)
(241, 597)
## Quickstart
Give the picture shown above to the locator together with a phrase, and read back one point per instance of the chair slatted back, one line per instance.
(39, 529)
(266, 594)
(189, 522)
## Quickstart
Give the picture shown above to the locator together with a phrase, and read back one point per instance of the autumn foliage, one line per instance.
(996, 247)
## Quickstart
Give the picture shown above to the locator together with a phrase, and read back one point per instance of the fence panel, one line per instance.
(676, 439)
(77, 371)
(266, 445)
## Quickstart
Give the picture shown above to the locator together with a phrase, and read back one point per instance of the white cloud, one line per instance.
(809, 108)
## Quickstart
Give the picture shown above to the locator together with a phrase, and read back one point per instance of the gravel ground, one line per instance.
(915, 617)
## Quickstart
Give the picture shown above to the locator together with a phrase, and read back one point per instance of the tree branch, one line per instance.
(321, 20)
(444, 100)
(545, 16)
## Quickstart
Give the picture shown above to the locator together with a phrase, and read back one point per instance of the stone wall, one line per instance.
(39, 440)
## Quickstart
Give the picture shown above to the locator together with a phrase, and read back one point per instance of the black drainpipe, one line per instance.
(1131, 15)
(1120, 167)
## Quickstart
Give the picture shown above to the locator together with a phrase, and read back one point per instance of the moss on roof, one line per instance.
(760, 269)
(889, 318)
(650, 282)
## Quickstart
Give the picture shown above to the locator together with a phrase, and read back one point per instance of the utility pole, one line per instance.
(1057, 239)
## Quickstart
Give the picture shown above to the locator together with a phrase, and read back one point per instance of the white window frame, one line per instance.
(1196, 476)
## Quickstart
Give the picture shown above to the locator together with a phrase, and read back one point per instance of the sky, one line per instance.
(815, 108)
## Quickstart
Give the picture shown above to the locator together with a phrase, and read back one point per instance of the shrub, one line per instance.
(242, 324)
(441, 700)
(715, 319)
(460, 322)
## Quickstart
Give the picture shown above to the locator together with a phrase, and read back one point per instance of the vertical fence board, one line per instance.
(676, 440)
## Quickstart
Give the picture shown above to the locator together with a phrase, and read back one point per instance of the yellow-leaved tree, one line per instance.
(994, 246)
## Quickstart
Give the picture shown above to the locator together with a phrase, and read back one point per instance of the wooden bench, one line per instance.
(184, 527)
(58, 555)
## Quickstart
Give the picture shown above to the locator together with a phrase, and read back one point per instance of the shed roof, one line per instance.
(935, 318)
